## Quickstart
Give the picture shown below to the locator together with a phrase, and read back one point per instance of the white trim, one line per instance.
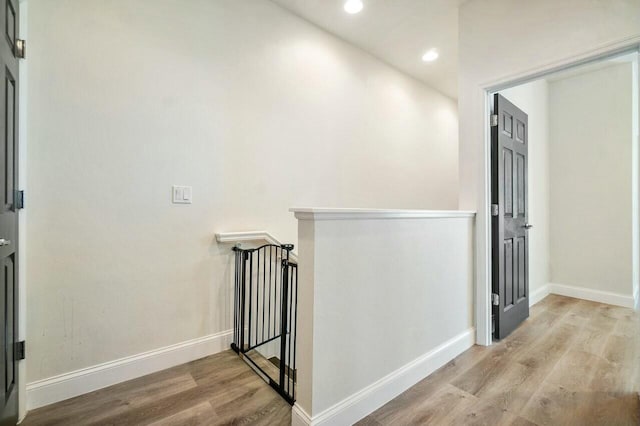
(240, 237)
(636, 298)
(483, 303)
(483, 221)
(22, 215)
(299, 417)
(539, 294)
(354, 214)
(78, 382)
(627, 44)
(607, 297)
(635, 175)
(367, 400)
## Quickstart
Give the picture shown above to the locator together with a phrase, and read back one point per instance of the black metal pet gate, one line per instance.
(265, 314)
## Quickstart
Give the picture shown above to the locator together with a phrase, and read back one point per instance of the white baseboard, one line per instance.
(355, 407)
(538, 295)
(78, 382)
(299, 417)
(607, 297)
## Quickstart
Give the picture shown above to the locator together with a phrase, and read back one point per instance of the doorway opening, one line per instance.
(576, 185)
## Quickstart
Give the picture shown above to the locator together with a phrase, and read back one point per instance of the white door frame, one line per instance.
(483, 225)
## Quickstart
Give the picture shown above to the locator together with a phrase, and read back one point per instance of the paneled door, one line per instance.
(9, 214)
(509, 210)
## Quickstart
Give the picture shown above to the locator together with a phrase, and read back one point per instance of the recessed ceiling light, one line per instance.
(430, 55)
(353, 6)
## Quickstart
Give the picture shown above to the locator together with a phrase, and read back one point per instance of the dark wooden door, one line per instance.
(509, 198)
(9, 214)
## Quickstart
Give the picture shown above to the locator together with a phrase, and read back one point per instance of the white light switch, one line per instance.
(186, 195)
(181, 194)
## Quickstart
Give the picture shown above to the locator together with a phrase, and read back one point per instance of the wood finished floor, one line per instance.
(573, 362)
(217, 390)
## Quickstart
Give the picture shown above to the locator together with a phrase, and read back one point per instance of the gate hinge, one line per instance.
(495, 299)
(20, 199)
(21, 48)
(494, 210)
(21, 350)
(493, 120)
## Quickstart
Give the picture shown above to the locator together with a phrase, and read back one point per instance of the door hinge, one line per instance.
(495, 299)
(21, 48)
(493, 119)
(20, 199)
(21, 350)
(495, 210)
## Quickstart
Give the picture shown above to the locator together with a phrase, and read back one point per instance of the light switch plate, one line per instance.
(181, 194)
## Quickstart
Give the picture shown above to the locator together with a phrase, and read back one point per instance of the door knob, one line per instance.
(4, 242)
(527, 226)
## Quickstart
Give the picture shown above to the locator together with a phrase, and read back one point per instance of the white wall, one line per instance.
(591, 175)
(635, 173)
(502, 40)
(532, 99)
(383, 302)
(255, 108)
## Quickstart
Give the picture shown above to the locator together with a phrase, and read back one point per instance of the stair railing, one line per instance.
(265, 310)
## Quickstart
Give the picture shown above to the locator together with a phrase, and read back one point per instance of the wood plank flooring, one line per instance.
(573, 362)
(217, 390)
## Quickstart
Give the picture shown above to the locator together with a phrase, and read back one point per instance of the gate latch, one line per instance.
(495, 299)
